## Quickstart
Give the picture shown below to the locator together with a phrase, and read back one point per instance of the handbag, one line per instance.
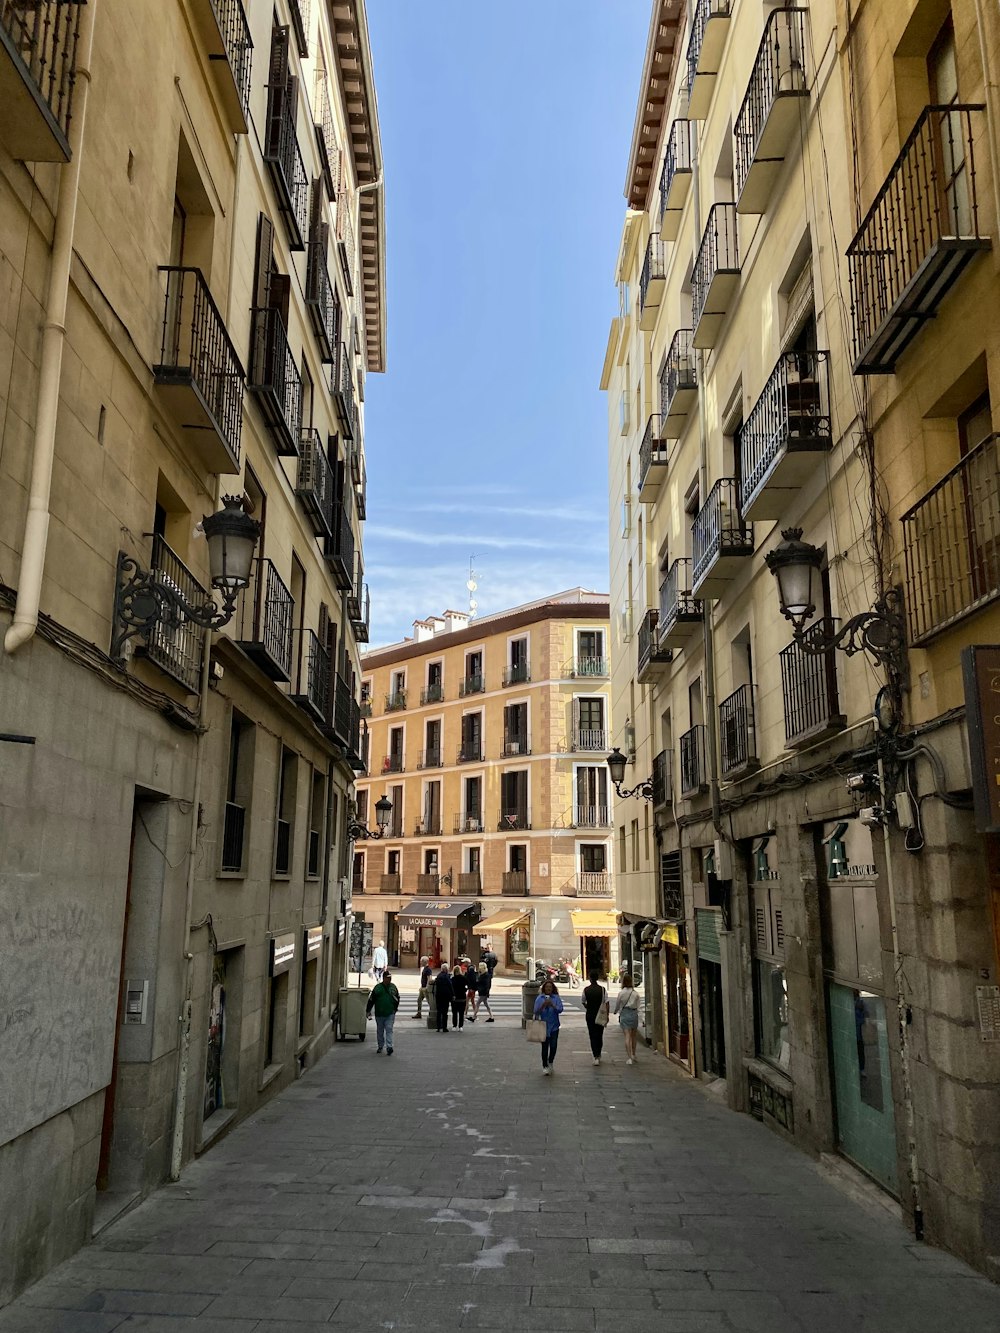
(603, 1015)
(536, 1030)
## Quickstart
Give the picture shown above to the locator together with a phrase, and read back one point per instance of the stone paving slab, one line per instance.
(454, 1187)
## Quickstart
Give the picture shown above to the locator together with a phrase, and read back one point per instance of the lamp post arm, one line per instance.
(880, 632)
(143, 601)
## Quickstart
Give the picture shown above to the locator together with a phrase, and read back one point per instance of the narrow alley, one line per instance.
(453, 1187)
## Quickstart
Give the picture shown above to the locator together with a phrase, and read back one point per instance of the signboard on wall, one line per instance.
(360, 950)
(282, 953)
(981, 677)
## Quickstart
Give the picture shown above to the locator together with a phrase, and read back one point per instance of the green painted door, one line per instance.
(862, 1091)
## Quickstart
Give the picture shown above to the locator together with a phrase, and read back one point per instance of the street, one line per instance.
(453, 1187)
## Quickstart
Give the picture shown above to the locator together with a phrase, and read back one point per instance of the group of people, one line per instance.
(463, 989)
(549, 1005)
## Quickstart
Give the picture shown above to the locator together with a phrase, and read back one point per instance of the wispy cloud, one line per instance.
(557, 513)
(424, 537)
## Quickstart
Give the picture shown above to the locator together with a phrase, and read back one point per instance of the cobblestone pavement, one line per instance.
(453, 1187)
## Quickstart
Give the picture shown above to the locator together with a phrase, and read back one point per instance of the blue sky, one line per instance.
(505, 133)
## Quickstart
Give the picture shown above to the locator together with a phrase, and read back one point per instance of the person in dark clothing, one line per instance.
(594, 998)
(444, 993)
(460, 989)
(425, 981)
(491, 960)
(484, 983)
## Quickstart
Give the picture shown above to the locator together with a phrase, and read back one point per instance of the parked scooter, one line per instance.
(544, 971)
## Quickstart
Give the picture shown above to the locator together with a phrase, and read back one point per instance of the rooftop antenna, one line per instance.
(472, 585)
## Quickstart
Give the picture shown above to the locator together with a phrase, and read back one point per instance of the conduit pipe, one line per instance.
(36, 524)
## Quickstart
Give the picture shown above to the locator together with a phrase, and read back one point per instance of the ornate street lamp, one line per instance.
(358, 832)
(616, 766)
(147, 598)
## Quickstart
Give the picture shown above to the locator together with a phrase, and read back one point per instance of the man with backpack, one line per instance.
(384, 999)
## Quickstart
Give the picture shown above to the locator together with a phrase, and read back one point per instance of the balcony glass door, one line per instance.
(592, 796)
(948, 140)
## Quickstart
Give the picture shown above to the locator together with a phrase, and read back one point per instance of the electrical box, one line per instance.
(905, 814)
(136, 997)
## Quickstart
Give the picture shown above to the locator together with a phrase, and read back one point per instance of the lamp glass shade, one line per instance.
(616, 766)
(383, 809)
(232, 538)
(795, 588)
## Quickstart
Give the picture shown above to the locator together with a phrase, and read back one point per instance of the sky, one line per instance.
(505, 136)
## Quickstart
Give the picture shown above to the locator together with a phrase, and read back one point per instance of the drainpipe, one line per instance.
(36, 524)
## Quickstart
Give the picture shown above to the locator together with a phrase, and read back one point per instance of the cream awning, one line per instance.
(499, 921)
(600, 924)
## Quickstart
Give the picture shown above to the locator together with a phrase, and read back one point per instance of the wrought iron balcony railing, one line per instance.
(314, 482)
(591, 738)
(514, 882)
(514, 744)
(809, 689)
(709, 23)
(284, 160)
(176, 647)
(716, 275)
(594, 884)
(671, 886)
(652, 280)
(589, 666)
(720, 540)
(198, 372)
(361, 622)
(430, 758)
(321, 298)
(787, 427)
(393, 763)
(951, 540)
(470, 882)
(592, 816)
(274, 379)
(428, 827)
(650, 654)
(432, 694)
(680, 613)
(342, 385)
(470, 752)
(918, 235)
(264, 622)
(366, 708)
(359, 473)
(345, 238)
(518, 673)
(661, 780)
(299, 11)
(678, 385)
(769, 116)
(38, 41)
(395, 701)
(737, 733)
(223, 27)
(233, 829)
(514, 817)
(471, 685)
(471, 823)
(326, 131)
(313, 694)
(347, 725)
(340, 548)
(653, 456)
(694, 771)
(675, 179)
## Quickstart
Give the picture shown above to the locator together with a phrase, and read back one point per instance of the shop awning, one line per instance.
(500, 921)
(600, 924)
(433, 912)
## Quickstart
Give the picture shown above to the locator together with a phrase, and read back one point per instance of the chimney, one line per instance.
(423, 630)
(455, 620)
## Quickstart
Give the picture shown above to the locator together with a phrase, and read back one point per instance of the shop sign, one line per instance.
(282, 953)
(847, 845)
(981, 676)
(671, 935)
(314, 940)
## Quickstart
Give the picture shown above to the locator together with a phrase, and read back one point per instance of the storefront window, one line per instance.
(518, 944)
(771, 1005)
(407, 939)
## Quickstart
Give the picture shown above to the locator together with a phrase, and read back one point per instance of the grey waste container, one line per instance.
(432, 1008)
(351, 1018)
(529, 993)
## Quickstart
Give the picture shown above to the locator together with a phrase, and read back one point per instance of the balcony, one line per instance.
(472, 823)
(594, 884)
(429, 758)
(678, 385)
(326, 131)
(470, 883)
(471, 685)
(299, 11)
(393, 763)
(427, 828)
(432, 694)
(951, 541)
(680, 613)
(37, 74)
(313, 695)
(264, 623)
(653, 455)
(346, 729)
(274, 380)
(662, 793)
(737, 734)
(314, 482)
(518, 673)
(809, 690)
(515, 882)
(395, 701)
(590, 740)
(589, 667)
(361, 613)
(283, 158)
(721, 542)
(769, 118)
(339, 549)
(592, 816)
(233, 828)
(917, 237)
(675, 179)
(345, 239)
(176, 647)
(429, 886)
(652, 282)
(198, 375)
(321, 301)
(389, 883)
(342, 387)
(694, 771)
(225, 34)
(709, 26)
(513, 746)
(514, 818)
(716, 277)
(470, 752)
(650, 656)
(359, 474)
(785, 434)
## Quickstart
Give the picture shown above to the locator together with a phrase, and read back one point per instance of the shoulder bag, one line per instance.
(536, 1030)
(604, 1013)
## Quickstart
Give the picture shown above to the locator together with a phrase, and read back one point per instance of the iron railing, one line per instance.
(321, 298)
(594, 884)
(518, 673)
(233, 827)
(347, 722)
(314, 675)
(195, 349)
(342, 386)
(366, 708)
(470, 752)
(718, 529)
(951, 540)
(314, 482)
(299, 11)
(590, 666)
(679, 370)
(592, 816)
(648, 642)
(718, 253)
(341, 548)
(471, 685)
(430, 758)
(514, 817)
(514, 881)
(653, 267)
(694, 773)
(470, 882)
(676, 602)
(809, 687)
(779, 67)
(284, 161)
(704, 11)
(274, 378)
(514, 744)
(428, 828)
(41, 36)
(361, 623)
(671, 886)
(282, 847)
(265, 623)
(235, 30)
(677, 157)
(176, 645)
(652, 450)
(472, 823)
(395, 701)
(661, 780)
(922, 228)
(345, 238)
(590, 738)
(793, 411)
(393, 763)
(432, 694)
(327, 127)
(737, 733)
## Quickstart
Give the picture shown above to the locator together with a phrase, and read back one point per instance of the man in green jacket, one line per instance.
(384, 999)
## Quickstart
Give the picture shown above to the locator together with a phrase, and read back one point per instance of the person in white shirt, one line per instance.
(380, 960)
(627, 1009)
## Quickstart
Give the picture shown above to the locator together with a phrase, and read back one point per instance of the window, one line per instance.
(590, 653)
(592, 797)
(434, 691)
(396, 816)
(358, 873)
(394, 759)
(430, 861)
(284, 824)
(514, 799)
(517, 670)
(473, 683)
(515, 729)
(432, 808)
(473, 799)
(432, 743)
(768, 940)
(361, 803)
(635, 844)
(588, 724)
(239, 787)
(473, 860)
(471, 750)
(593, 857)
(392, 863)
(317, 820)
(517, 858)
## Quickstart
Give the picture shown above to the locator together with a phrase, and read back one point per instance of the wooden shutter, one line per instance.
(761, 912)
(261, 299)
(575, 723)
(777, 924)
(277, 89)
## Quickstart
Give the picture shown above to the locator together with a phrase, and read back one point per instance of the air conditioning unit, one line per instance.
(513, 747)
(472, 825)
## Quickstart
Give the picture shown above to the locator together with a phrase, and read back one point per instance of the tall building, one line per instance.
(490, 739)
(793, 373)
(191, 227)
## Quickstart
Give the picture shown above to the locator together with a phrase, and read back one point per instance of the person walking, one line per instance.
(425, 980)
(627, 1009)
(484, 983)
(380, 960)
(444, 992)
(490, 959)
(460, 989)
(384, 999)
(595, 997)
(471, 992)
(548, 1007)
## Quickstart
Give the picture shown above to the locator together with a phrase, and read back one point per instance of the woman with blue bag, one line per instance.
(548, 1007)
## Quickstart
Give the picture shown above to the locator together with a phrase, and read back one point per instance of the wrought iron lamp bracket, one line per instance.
(144, 600)
(642, 789)
(361, 832)
(880, 632)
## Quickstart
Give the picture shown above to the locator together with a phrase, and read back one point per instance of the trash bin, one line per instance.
(432, 1009)
(529, 993)
(351, 1017)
